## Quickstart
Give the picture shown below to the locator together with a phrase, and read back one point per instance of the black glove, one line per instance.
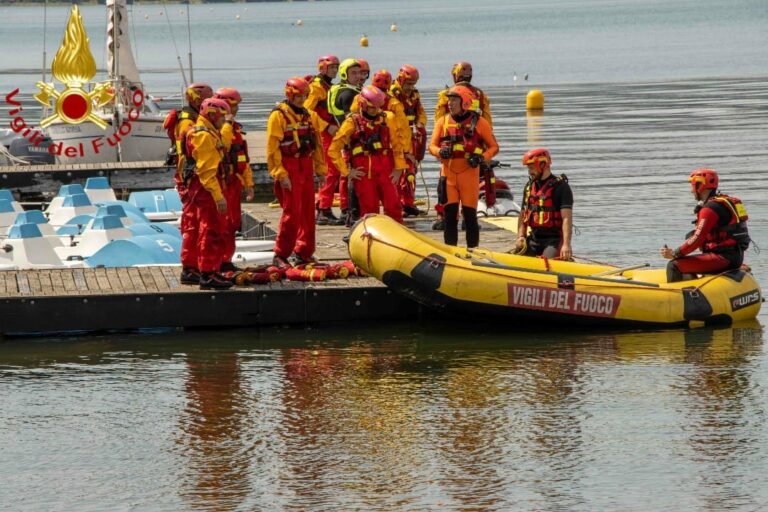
(475, 160)
(445, 152)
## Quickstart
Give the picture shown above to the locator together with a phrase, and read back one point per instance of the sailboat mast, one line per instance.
(118, 84)
(189, 44)
(45, 29)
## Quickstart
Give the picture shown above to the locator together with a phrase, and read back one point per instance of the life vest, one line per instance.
(370, 138)
(539, 210)
(333, 93)
(411, 106)
(173, 119)
(321, 108)
(237, 158)
(731, 230)
(462, 136)
(188, 170)
(298, 136)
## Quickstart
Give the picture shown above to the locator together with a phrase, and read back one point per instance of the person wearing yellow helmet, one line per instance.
(340, 99)
(721, 232)
(461, 72)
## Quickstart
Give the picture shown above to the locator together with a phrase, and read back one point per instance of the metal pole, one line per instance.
(189, 43)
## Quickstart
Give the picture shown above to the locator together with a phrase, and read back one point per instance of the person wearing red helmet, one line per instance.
(462, 140)
(239, 175)
(547, 210)
(294, 157)
(203, 177)
(178, 122)
(462, 75)
(375, 154)
(365, 70)
(404, 89)
(721, 232)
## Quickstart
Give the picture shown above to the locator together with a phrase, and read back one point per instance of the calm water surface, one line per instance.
(433, 416)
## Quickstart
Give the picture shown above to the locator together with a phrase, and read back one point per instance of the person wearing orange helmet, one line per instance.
(239, 175)
(341, 97)
(178, 122)
(294, 156)
(404, 89)
(721, 232)
(462, 75)
(365, 71)
(462, 140)
(375, 152)
(546, 217)
(204, 172)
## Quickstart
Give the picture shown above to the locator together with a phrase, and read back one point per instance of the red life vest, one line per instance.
(539, 210)
(731, 233)
(237, 158)
(174, 117)
(321, 109)
(462, 137)
(370, 138)
(298, 137)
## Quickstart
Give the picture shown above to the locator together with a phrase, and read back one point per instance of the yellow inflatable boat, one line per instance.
(474, 282)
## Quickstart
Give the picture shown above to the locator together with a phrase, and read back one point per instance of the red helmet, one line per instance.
(468, 98)
(198, 92)
(382, 79)
(364, 67)
(703, 179)
(537, 155)
(229, 95)
(214, 109)
(296, 86)
(408, 73)
(325, 61)
(462, 72)
(371, 96)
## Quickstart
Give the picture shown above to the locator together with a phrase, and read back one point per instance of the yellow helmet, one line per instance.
(344, 67)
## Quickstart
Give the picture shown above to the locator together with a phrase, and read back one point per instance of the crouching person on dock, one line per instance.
(294, 156)
(546, 210)
(202, 242)
(462, 140)
(376, 159)
(721, 232)
(239, 176)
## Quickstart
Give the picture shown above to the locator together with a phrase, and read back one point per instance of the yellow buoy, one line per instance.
(299, 22)
(364, 41)
(393, 28)
(534, 100)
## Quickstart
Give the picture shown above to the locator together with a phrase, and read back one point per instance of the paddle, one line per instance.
(620, 270)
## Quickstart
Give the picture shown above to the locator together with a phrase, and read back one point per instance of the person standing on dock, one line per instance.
(340, 99)
(404, 89)
(461, 72)
(721, 232)
(462, 140)
(547, 210)
(239, 175)
(375, 151)
(202, 243)
(294, 156)
(178, 124)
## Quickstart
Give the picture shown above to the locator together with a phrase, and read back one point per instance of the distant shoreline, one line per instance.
(27, 3)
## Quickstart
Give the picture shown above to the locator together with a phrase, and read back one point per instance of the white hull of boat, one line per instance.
(87, 143)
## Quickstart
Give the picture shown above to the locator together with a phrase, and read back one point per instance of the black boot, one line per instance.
(214, 281)
(190, 276)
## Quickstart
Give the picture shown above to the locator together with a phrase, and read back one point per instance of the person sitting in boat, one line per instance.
(202, 243)
(375, 150)
(462, 140)
(239, 176)
(721, 232)
(294, 156)
(461, 72)
(546, 210)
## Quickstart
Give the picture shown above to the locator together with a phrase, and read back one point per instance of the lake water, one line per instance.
(432, 416)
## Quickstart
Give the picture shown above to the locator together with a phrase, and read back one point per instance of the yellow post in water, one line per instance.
(364, 41)
(534, 100)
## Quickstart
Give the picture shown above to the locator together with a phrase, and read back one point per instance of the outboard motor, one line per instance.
(34, 154)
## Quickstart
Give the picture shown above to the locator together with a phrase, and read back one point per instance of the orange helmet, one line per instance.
(214, 109)
(703, 179)
(468, 99)
(382, 79)
(229, 95)
(296, 86)
(198, 92)
(325, 61)
(364, 67)
(371, 96)
(537, 155)
(462, 72)
(408, 73)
